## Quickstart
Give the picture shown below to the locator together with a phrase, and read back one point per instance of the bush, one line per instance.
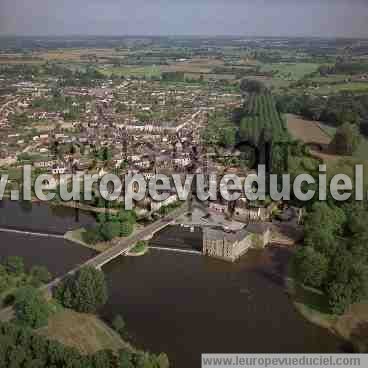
(31, 308)
(85, 292)
(40, 275)
(311, 267)
(109, 230)
(126, 228)
(118, 325)
(92, 236)
(252, 86)
(14, 265)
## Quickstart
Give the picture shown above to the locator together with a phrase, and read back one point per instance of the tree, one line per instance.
(3, 271)
(324, 238)
(125, 359)
(228, 137)
(92, 236)
(347, 281)
(108, 231)
(40, 275)
(311, 267)
(103, 359)
(118, 324)
(87, 288)
(30, 307)
(14, 265)
(127, 216)
(126, 229)
(339, 297)
(347, 139)
(252, 86)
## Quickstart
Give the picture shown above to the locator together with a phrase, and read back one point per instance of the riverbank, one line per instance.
(76, 236)
(312, 304)
(85, 332)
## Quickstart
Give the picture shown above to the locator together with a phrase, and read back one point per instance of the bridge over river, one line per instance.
(123, 246)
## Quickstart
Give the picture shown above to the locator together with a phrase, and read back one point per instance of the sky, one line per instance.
(319, 18)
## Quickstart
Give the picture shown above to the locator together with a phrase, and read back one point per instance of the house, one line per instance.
(44, 164)
(218, 207)
(226, 245)
(245, 211)
(58, 170)
(182, 161)
(171, 199)
(230, 245)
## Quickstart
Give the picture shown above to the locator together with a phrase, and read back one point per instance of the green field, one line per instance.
(147, 72)
(290, 71)
(357, 87)
(262, 115)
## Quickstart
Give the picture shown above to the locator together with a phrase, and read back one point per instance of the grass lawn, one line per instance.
(76, 236)
(140, 248)
(85, 332)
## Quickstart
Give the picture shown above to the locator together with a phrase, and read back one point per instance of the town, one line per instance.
(79, 270)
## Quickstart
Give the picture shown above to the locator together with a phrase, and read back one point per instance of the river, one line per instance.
(181, 304)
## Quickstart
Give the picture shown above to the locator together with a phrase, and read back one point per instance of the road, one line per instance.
(127, 244)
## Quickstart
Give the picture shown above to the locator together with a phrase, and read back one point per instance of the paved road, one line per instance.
(127, 244)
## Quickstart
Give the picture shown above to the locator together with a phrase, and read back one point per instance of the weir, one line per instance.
(31, 233)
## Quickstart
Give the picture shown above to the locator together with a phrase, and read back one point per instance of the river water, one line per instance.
(180, 304)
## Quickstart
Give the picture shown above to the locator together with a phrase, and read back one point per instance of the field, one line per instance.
(307, 131)
(84, 332)
(262, 115)
(210, 76)
(320, 135)
(314, 134)
(148, 71)
(357, 87)
(78, 55)
(290, 71)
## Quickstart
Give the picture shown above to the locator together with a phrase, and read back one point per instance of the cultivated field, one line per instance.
(128, 71)
(262, 115)
(311, 133)
(78, 55)
(307, 131)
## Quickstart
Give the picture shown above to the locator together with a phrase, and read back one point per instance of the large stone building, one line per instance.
(231, 245)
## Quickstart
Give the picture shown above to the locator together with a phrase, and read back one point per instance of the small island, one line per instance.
(140, 249)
